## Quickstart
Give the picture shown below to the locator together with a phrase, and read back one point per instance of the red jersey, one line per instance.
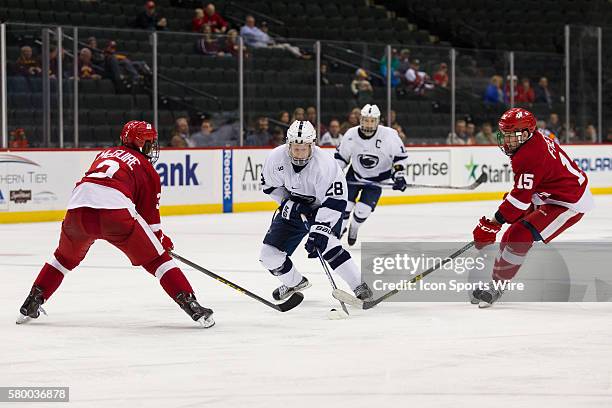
(544, 174)
(120, 177)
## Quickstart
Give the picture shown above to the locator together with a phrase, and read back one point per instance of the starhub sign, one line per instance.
(496, 172)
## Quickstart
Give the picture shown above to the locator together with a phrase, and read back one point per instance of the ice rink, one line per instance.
(117, 340)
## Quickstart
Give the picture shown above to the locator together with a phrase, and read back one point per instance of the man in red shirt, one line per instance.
(118, 201)
(550, 195)
(214, 19)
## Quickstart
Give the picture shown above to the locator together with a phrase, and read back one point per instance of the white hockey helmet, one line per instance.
(301, 137)
(369, 120)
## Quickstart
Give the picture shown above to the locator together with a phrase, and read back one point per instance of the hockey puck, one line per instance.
(335, 314)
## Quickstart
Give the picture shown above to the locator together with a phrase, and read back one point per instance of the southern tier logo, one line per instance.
(20, 196)
(496, 174)
(29, 176)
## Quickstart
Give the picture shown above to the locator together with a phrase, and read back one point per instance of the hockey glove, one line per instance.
(399, 181)
(485, 232)
(165, 240)
(317, 239)
(291, 209)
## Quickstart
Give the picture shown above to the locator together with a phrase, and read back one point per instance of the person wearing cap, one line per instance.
(441, 76)
(115, 64)
(149, 18)
(417, 80)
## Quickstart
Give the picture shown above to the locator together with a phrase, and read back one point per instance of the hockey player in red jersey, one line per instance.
(550, 195)
(118, 201)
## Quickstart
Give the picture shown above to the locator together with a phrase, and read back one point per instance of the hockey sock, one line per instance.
(514, 246)
(342, 263)
(361, 213)
(50, 277)
(171, 278)
(287, 274)
(347, 214)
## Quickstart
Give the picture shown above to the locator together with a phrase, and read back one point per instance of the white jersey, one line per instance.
(320, 184)
(328, 140)
(372, 159)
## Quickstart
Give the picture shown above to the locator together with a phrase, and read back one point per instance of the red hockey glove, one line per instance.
(165, 240)
(485, 232)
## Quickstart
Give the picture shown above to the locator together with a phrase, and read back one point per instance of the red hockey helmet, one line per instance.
(516, 126)
(142, 136)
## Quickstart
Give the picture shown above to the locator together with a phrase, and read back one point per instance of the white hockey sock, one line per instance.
(349, 272)
(291, 278)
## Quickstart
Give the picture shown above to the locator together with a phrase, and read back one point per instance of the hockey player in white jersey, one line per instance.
(374, 153)
(306, 180)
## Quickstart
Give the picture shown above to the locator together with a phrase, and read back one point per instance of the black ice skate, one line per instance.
(198, 313)
(31, 308)
(363, 292)
(486, 297)
(283, 292)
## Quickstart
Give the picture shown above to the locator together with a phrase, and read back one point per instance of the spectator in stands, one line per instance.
(229, 45)
(417, 81)
(554, 125)
(197, 21)
(205, 137)
(400, 131)
(53, 54)
(278, 137)
(459, 136)
(351, 121)
(404, 61)
(256, 38)
(392, 119)
(470, 131)
(179, 137)
(541, 125)
(18, 139)
(149, 19)
(590, 134)
(486, 136)
(362, 88)
(440, 78)
(284, 118)
(395, 64)
(333, 136)
(207, 44)
(542, 93)
(525, 92)
(27, 65)
(510, 80)
(97, 57)
(86, 68)
(116, 64)
(261, 135)
(214, 19)
(494, 94)
(311, 116)
(298, 114)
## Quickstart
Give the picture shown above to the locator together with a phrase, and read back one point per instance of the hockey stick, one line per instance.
(287, 305)
(325, 268)
(481, 179)
(368, 304)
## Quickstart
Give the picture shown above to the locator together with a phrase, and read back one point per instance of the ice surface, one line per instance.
(117, 340)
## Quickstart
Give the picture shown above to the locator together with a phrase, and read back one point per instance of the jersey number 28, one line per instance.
(335, 189)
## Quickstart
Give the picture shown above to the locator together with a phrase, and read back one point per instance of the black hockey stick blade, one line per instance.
(287, 305)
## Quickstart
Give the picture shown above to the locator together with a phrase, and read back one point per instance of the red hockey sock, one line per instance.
(174, 281)
(515, 244)
(48, 280)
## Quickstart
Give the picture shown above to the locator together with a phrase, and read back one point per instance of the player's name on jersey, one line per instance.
(121, 155)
